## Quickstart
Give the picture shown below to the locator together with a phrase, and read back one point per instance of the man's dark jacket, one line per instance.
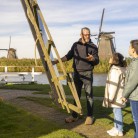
(79, 52)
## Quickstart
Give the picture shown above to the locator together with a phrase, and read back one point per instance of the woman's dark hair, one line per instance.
(134, 44)
(118, 60)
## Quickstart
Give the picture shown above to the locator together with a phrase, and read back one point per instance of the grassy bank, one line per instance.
(45, 89)
(103, 116)
(26, 64)
(17, 123)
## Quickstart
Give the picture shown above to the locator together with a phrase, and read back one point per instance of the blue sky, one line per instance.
(65, 18)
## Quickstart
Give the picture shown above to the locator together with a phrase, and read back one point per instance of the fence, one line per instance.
(5, 73)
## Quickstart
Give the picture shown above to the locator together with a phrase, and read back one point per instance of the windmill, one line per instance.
(105, 42)
(11, 52)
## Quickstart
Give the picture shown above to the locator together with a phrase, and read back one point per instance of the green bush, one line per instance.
(25, 65)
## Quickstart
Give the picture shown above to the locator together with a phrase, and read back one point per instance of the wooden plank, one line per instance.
(38, 27)
(26, 8)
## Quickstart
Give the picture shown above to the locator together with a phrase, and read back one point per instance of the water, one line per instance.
(98, 79)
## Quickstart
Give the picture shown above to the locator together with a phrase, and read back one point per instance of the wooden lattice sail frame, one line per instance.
(36, 20)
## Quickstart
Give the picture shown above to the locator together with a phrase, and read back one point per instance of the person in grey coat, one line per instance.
(131, 84)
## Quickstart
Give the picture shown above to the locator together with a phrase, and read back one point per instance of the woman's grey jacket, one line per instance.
(131, 81)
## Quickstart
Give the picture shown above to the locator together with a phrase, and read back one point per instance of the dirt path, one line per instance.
(90, 131)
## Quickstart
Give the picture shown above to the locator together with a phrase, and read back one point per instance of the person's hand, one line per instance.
(124, 100)
(90, 57)
(54, 62)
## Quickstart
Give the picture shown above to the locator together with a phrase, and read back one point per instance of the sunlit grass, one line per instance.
(17, 123)
(45, 89)
(103, 116)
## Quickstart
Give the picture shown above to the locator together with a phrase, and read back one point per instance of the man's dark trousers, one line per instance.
(84, 78)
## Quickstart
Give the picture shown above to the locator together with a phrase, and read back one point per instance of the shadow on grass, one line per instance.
(128, 125)
(104, 118)
(17, 123)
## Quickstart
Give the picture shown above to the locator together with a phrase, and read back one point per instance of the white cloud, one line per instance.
(24, 45)
(12, 18)
(89, 10)
(65, 18)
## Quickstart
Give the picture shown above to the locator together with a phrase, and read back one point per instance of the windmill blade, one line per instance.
(114, 43)
(4, 49)
(10, 42)
(100, 28)
(107, 33)
(94, 34)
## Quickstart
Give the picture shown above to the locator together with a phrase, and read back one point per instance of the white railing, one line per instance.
(5, 73)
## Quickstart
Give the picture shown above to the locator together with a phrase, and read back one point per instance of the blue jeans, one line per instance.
(84, 78)
(134, 108)
(118, 119)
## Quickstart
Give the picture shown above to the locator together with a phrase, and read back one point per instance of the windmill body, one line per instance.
(11, 52)
(106, 46)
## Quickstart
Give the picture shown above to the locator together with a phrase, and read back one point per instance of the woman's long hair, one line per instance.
(118, 60)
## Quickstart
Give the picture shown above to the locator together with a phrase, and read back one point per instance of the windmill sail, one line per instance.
(105, 43)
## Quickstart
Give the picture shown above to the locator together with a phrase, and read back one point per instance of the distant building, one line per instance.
(106, 46)
(12, 54)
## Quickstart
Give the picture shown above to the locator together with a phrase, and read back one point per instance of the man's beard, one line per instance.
(87, 40)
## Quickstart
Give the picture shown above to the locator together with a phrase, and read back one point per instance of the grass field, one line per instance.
(45, 88)
(104, 116)
(17, 123)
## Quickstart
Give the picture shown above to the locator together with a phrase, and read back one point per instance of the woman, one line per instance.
(131, 83)
(113, 92)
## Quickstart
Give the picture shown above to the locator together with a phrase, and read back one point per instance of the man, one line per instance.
(85, 56)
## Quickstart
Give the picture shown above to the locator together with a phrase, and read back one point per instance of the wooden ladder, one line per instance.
(44, 44)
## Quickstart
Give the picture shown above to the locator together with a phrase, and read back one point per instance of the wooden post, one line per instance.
(32, 74)
(6, 70)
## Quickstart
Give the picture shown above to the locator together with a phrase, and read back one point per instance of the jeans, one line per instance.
(134, 108)
(86, 79)
(118, 119)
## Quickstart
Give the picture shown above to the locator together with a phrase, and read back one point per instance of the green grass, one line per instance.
(17, 123)
(104, 116)
(98, 91)
(42, 101)
(45, 89)
(63, 133)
